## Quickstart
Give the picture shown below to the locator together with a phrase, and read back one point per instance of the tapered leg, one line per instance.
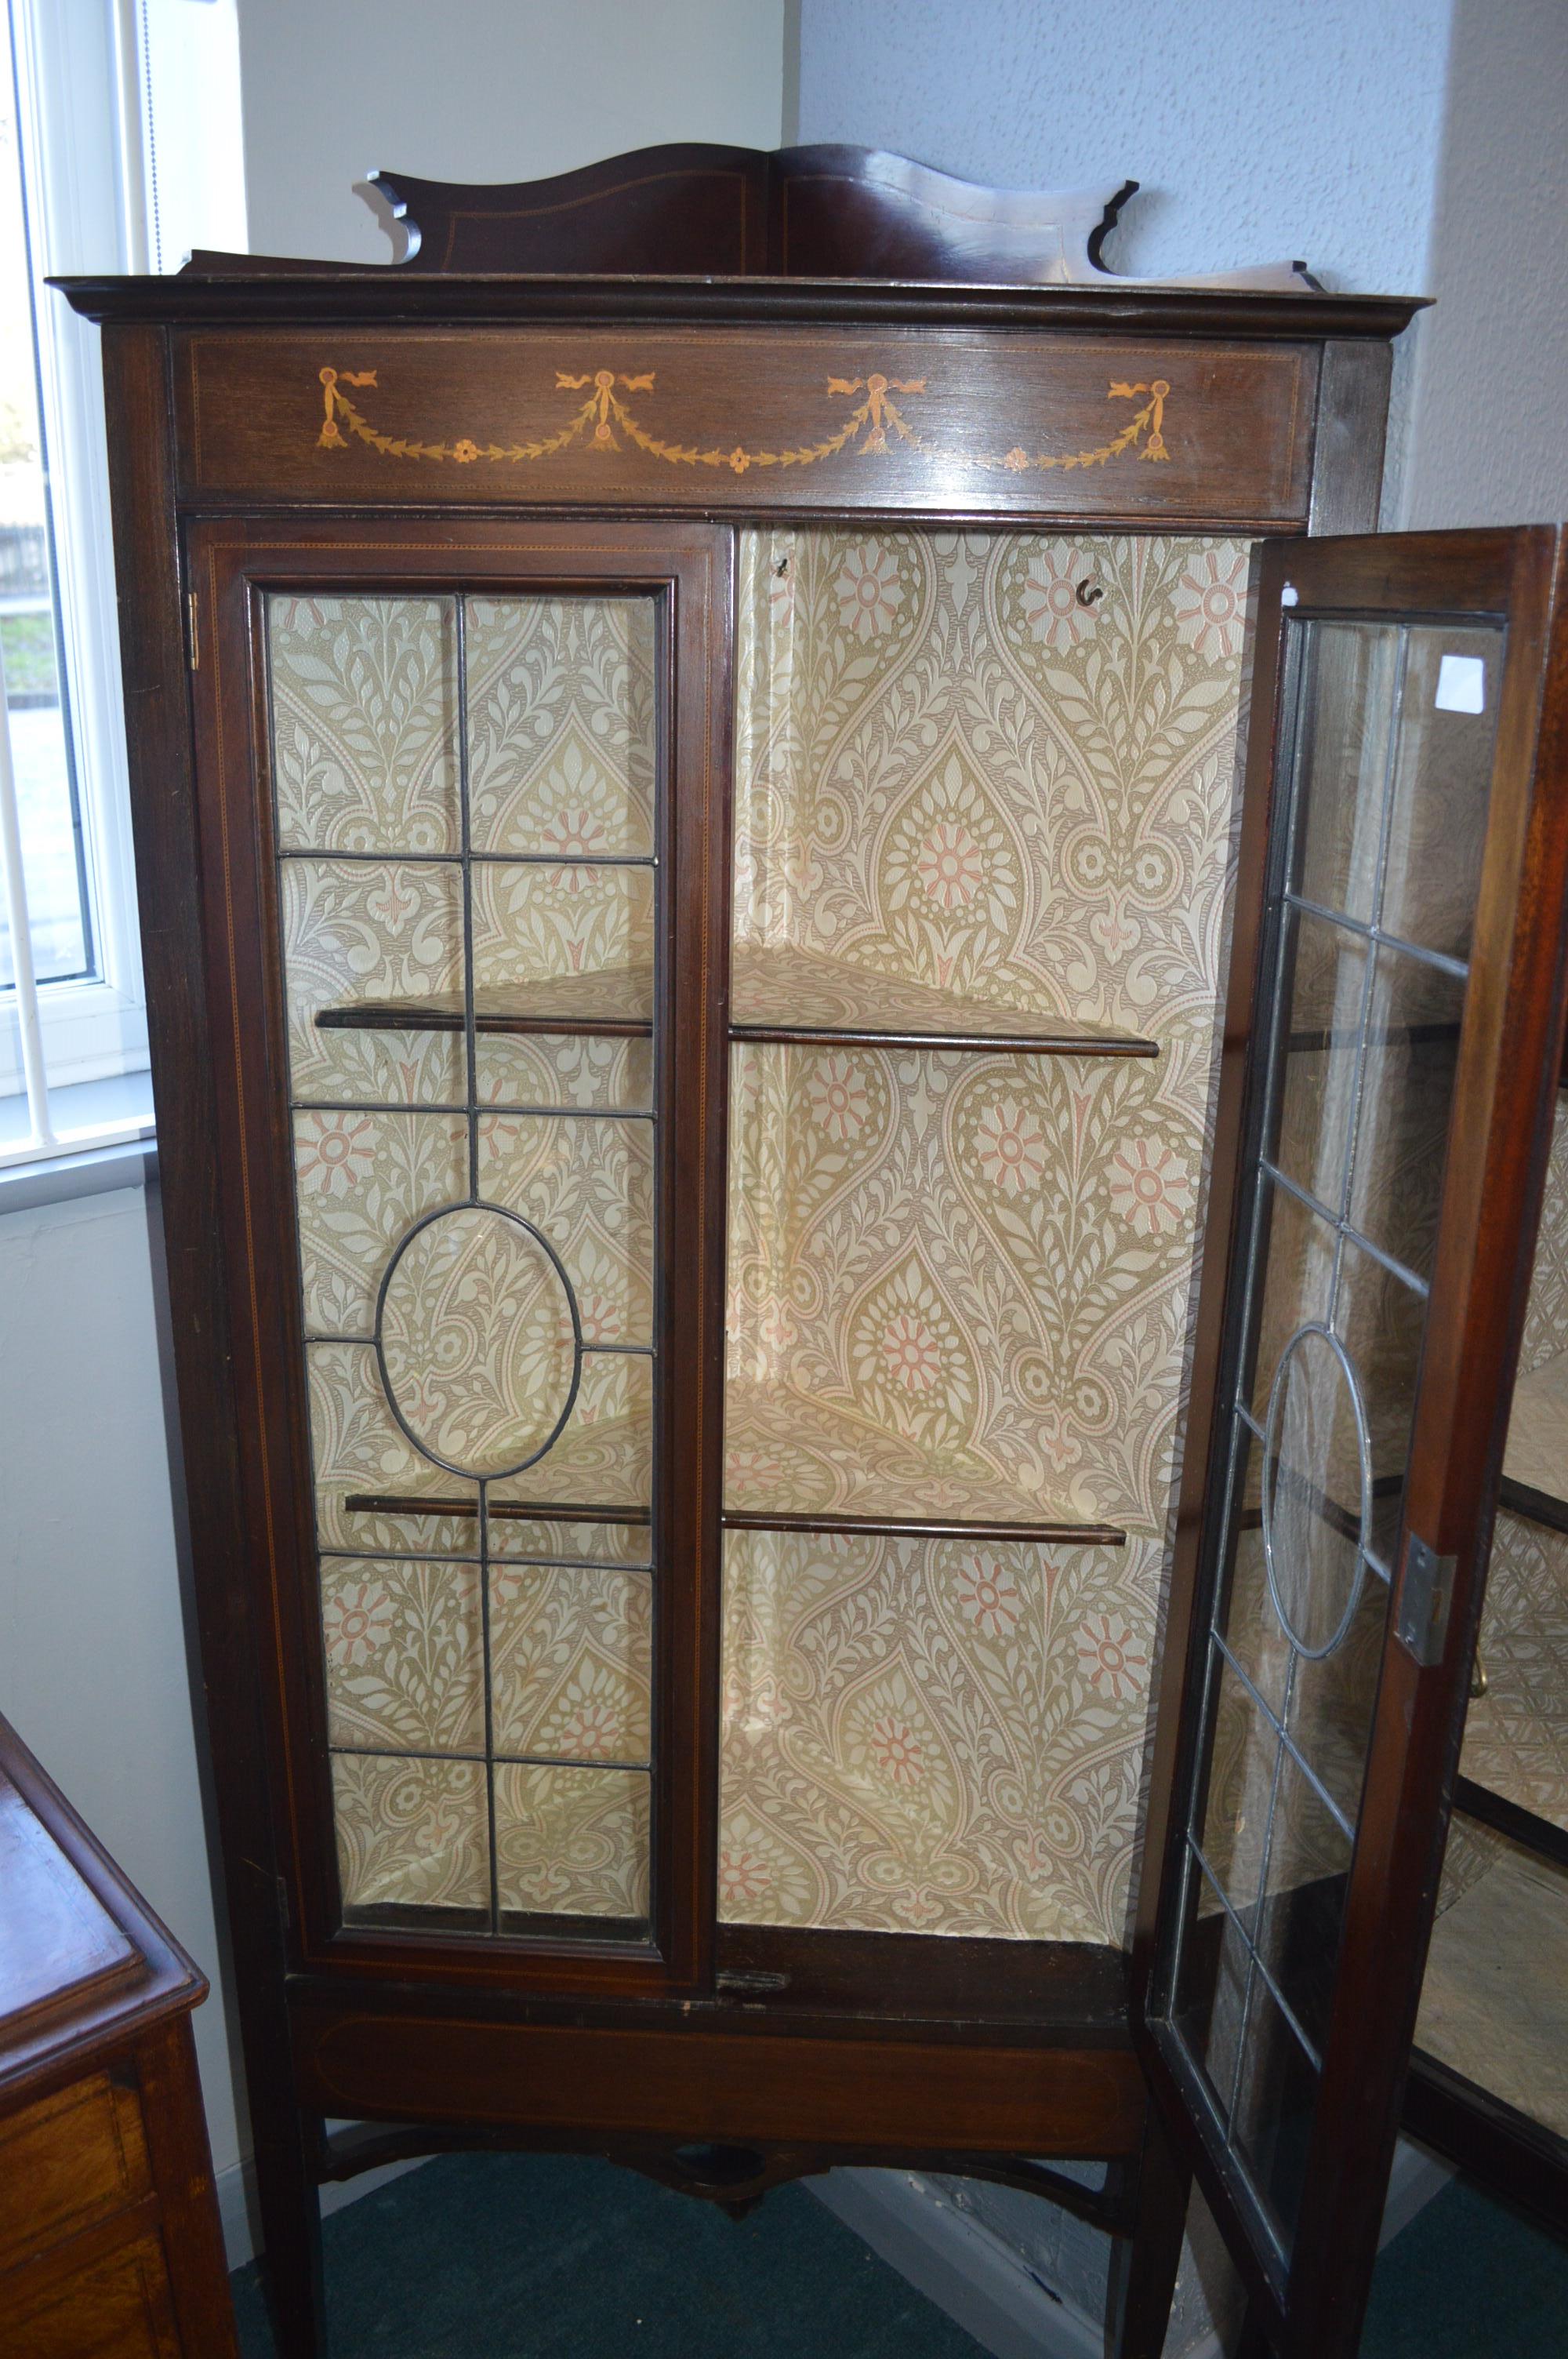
(1254, 2342)
(290, 2203)
(1143, 2265)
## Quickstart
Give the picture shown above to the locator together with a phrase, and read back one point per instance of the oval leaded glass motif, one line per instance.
(1317, 1491)
(479, 1340)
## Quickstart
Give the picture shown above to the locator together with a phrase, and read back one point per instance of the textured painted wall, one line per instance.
(1486, 444)
(504, 89)
(93, 1660)
(1257, 128)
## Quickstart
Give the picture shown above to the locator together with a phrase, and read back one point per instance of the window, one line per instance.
(119, 149)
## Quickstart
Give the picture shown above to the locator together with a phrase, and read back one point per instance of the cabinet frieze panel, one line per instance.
(920, 420)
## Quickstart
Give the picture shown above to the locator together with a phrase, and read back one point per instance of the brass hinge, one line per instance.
(194, 648)
(1427, 1593)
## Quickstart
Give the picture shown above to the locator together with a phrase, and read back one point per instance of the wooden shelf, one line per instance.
(1326, 1038)
(1514, 1762)
(615, 1002)
(1494, 1998)
(782, 993)
(778, 994)
(1504, 1817)
(795, 1464)
(503, 1511)
(597, 1473)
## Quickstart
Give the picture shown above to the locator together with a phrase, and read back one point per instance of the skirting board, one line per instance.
(961, 2266)
(241, 2221)
(987, 2290)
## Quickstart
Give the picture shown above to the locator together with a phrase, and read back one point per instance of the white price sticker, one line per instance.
(1461, 684)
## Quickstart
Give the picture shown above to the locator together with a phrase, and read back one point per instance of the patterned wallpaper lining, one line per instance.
(561, 752)
(1494, 2002)
(1516, 1735)
(956, 771)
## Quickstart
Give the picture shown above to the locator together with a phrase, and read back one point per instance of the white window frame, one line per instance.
(129, 129)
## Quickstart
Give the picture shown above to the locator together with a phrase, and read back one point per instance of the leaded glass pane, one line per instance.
(1370, 917)
(466, 791)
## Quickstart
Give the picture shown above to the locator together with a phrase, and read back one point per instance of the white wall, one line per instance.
(1486, 442)
(500, 90)
(1259, 130)
(1417, 148)
(92, 1655)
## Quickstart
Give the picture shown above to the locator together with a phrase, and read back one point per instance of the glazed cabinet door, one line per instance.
(1392, 1038)
(464, 872)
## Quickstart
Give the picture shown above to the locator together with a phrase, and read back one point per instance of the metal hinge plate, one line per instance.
(1427, 1593)
(193, 647)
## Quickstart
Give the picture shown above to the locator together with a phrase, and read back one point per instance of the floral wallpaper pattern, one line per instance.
(404, 1659)
(361, 1180)
(1516, 1735)
(930, 1737)
(562, 762)
(572, 1663)
(1546, 1316)
(364, 724)
(410, 1833)
(572, 1841)
(999, 766)
(478, 1352)
(542, 1070)
(532, 923)
(364, 929)
(562, 730)
(589, 1186)
(777, 984)
(1494, 2000)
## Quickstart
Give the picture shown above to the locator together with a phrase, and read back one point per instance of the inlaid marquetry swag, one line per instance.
(744, 1294)
(606, 408)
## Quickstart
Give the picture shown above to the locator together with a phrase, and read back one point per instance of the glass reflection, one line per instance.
(1370, 919)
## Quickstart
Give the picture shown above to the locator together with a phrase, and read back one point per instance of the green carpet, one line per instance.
(524, 2256)
(1468, 2279)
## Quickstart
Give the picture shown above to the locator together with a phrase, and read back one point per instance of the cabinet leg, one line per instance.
(290, 2203)
(1143, 2265)
(1254, 2343)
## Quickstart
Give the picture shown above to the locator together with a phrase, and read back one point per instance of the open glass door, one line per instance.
(1393, 1034)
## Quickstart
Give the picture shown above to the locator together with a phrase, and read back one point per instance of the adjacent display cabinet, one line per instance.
(793, 1185)
(110, 2242)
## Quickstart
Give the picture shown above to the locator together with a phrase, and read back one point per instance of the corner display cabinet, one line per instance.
(747, 1295)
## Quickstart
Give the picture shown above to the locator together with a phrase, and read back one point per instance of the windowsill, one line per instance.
(57, 1178)
(82, 1164)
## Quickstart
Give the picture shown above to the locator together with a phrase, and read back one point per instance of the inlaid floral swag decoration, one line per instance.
(605, 409)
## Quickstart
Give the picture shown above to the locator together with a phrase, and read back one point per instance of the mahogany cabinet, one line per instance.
(789, 1186)
(110, 2246)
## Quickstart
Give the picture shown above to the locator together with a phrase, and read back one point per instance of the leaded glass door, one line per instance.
(485, 797)
(1391, 1061)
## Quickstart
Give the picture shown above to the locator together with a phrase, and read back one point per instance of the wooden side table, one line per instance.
(109, 2239)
